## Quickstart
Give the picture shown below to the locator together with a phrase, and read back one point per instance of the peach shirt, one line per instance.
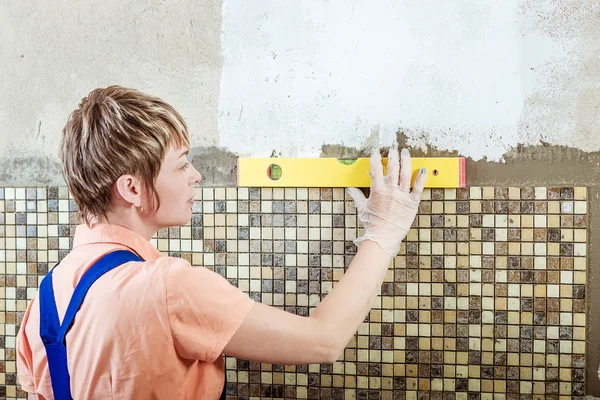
(153, 329)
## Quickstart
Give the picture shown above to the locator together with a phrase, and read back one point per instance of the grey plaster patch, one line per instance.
(217, 166)
(23, 171)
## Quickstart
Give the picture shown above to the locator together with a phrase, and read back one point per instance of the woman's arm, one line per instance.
(274, 336)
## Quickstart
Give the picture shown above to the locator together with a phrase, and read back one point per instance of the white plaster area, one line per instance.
(475, 76)
(456, 75)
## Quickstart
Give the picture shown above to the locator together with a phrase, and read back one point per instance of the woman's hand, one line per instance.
(390, 210)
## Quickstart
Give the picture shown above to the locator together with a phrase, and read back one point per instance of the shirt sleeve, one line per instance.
(25, 355)
(204, 310)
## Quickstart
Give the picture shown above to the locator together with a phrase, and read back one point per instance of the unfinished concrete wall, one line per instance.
(256, 77)
(53, 54)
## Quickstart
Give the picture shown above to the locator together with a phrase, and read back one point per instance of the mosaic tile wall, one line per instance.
(485, 301)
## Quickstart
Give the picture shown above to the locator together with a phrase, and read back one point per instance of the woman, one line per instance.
(148, 326)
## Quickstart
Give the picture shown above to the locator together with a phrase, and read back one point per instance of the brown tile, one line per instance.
(501, 290)
(580, 221)
(450, 330)
(425, 207)
(501, 193)
(540, 318)
(501, 248)
(553, 193)
(566, 249)
(514, 234)
(539, 304)
(566, 263)
(540, 235)
(500, 331)
(553, 263)
(539, 276)
(11, 318)
(399, 275)
(527, 193)
(527, 262)
(526, 276)
(541, 207)
(437, 262)
(501, 207)
(462, 194)
(425, 358)
(11, 280)
(487, 276)
(32, 281)
(526, 304)
(487, 262)
(400, 289)
(512, 345)
(437, 194)
(567, 193)
(326, 194)
(475, 221)
(514, 262)
(553, 304)
(209, 245)
(514, 207)
(553, 318)
(462, 234)
(462, 207)
(554, 235)
(412, 275)
(527, 207)
(579, 305)
(437, 235)
(553, 277)
(488, 207)
(437, 316)
(566, 221)
(488, 234)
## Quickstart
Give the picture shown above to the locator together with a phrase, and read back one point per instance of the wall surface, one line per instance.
(511, 85)
(476, 77)
(255, 78)
(486, 299)
(53, 54)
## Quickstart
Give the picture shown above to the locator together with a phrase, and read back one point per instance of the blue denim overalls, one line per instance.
(53, 333)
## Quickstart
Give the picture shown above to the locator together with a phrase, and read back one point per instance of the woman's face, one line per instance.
(175, 188)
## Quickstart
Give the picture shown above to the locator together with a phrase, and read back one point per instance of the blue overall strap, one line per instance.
(53, 333)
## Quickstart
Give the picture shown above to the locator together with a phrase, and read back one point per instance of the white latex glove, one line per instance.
(390, 210)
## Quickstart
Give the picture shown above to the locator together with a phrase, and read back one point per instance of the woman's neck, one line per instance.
(128, 219)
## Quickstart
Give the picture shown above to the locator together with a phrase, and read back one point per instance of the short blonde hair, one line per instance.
(116, 131)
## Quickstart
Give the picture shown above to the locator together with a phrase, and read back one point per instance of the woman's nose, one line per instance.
(197, 176)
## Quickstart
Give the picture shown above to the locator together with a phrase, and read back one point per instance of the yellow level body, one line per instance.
(442, 172)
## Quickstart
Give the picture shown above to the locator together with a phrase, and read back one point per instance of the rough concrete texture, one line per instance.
(564, 108)
(218, 167)
(25, 169)
(54, 53)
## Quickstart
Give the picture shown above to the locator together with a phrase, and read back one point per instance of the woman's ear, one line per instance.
(129, 188)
